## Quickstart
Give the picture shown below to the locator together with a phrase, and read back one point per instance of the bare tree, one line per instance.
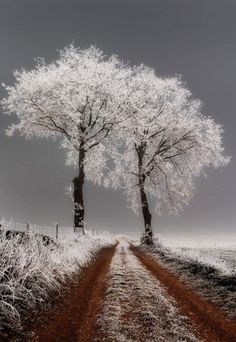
(75, 98)
(164, 143)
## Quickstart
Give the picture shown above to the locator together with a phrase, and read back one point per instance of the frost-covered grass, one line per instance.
(210, 270)
(31, 271)
(217, 254)
(221, 260)
(136, 307)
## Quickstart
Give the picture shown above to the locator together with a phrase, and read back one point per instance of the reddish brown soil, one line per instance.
(210, 322)
(74, 319)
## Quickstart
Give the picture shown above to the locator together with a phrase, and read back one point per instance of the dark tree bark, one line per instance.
(147, 217)
(78, 195)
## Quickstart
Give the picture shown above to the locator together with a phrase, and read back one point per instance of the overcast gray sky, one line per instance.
(195, 38)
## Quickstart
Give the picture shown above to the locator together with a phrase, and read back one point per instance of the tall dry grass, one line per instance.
(31, 270)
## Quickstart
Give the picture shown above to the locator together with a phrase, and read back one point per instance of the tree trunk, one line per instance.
(147, 217)
(78, 195)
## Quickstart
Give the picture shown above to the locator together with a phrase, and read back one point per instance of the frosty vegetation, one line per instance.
(165, 142)
(209, 271)
(223, 261)
(75, 98)
(102, 109)
(136, 307)
(31, 271)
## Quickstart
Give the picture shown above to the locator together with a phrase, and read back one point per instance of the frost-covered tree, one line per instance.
(165, 142)
(76, 99)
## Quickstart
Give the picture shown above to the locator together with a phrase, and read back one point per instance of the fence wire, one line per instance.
(55, 232)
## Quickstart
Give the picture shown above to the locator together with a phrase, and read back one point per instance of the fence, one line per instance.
(56, 232)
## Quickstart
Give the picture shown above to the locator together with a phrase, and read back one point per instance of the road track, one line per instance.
(126, 295)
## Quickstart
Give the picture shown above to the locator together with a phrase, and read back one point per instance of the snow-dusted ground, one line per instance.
(217, 253)
(206, 265)
(136, 308)
(30, 271)
(223, 260)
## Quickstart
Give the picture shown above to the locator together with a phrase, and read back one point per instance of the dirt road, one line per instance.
(125, 295)
(74, 318)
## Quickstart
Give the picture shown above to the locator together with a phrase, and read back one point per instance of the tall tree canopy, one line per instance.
(76, 98)
(164, 143)
(161, 139)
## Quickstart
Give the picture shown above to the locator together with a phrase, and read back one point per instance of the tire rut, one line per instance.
(210, 322)
(74, 319)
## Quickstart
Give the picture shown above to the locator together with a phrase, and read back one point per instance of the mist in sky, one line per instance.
(195, 38)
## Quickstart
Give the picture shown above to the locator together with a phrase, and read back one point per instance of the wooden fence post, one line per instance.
(57, 226)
